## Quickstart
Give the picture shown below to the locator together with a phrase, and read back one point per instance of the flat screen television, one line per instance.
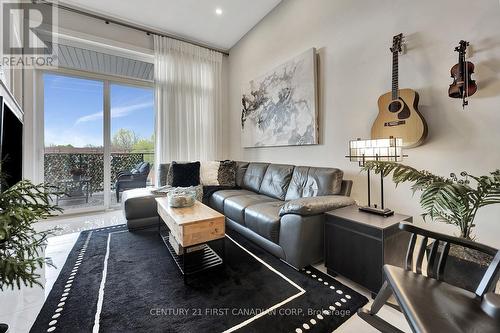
(11, 146)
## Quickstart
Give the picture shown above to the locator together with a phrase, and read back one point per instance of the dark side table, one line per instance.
(358, 244)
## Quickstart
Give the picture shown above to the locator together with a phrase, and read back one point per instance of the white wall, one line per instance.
(353, 39)
(113, 37)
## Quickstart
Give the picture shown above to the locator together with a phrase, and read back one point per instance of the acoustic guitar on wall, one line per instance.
(398, 114)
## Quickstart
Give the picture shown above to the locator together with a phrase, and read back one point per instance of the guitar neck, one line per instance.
(395, 75)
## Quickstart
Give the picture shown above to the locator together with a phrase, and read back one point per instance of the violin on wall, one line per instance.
(463, 86)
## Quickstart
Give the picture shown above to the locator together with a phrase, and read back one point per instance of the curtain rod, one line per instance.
(108, 20)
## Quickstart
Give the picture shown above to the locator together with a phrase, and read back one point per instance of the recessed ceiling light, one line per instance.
(218, 11)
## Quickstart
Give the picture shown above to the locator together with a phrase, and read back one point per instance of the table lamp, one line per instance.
(361, 151)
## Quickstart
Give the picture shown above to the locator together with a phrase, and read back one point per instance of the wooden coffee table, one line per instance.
(193, 229)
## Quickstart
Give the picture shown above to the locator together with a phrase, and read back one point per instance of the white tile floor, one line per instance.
(19, 308)
(356, 324)
(81, 222)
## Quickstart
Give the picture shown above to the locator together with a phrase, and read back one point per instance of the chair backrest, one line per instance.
(137, 166)
(490, 277)
(144, 168)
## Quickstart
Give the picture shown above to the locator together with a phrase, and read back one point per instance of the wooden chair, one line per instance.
(430, 304)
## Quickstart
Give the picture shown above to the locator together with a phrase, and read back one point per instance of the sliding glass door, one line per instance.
(74, 141)
(132, 138)
(98, 140)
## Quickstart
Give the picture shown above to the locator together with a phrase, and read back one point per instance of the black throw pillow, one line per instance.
(185, 174)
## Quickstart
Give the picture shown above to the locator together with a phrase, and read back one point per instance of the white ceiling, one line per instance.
(192, 19)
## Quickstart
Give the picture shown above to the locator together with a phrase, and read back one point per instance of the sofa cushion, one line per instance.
(276, 180)
(234, 207)
(241, 169)
(253, 176)
(170, 175)
(297, 183)
(144, 168)
(139, 203)
(135, 170)
(318, 182)
(264, 219)
(163, 174)
(323, 181)
(216, 201)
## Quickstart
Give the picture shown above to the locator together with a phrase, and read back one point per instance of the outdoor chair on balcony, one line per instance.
(135, 178)
(430, 304)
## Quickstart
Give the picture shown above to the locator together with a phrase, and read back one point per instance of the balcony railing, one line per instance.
(59, 166)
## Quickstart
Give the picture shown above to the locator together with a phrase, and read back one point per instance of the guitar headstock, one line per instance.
(397, 43)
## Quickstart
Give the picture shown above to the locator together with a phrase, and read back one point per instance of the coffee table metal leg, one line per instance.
(184, 263)
(207, 257)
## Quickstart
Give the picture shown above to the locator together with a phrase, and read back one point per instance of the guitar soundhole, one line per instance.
(395, 106)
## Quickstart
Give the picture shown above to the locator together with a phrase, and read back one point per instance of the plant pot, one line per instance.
(464, 267)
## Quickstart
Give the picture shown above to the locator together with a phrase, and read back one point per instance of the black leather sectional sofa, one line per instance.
(279, 207)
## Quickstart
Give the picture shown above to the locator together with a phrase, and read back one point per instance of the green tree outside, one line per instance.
(124, 139)
(127, 140)
(145, 146)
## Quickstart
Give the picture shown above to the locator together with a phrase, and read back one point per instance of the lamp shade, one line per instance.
(390, 150)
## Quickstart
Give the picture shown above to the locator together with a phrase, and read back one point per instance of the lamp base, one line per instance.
(377, 211)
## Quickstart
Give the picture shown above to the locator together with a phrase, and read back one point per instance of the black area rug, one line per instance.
(120, 281)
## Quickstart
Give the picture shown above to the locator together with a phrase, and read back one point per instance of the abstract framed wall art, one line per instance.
(280, 108)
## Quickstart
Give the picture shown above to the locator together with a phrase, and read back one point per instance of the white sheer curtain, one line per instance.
(188, 101)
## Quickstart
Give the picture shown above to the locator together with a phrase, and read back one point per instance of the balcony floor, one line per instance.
(95, 200)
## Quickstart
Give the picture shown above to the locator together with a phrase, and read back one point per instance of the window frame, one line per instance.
(39, 122)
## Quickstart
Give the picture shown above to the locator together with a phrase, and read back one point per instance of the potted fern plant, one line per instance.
(20, 244)
(452, 200)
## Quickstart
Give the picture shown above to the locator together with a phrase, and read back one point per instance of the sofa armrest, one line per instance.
(315, 205)
(346, 187)
(302, 239)
(491, 305)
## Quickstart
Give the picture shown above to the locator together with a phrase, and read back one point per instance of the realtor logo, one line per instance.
(28, 34)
